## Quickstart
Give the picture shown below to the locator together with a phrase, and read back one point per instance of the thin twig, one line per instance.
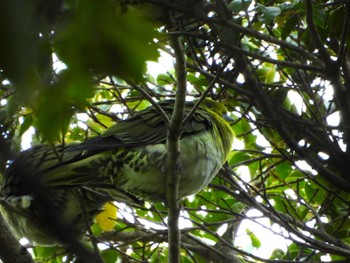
(152, 101)
(206, 92)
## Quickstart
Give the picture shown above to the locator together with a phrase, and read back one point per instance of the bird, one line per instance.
(70, 183)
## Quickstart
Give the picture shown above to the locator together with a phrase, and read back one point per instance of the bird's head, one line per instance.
(217, 108)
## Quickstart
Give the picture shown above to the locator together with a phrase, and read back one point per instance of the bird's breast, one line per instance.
(144, 169)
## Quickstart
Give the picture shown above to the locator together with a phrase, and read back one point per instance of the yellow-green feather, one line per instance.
(125, 163)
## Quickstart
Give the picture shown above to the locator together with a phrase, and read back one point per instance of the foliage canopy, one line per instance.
(72, 68)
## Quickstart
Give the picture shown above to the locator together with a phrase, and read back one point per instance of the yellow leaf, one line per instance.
(106, 220)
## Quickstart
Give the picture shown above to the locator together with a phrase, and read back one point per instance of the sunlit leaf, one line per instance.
(254, 239)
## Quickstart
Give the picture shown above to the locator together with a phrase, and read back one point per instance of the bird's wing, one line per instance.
(144, 128)
(42, 168)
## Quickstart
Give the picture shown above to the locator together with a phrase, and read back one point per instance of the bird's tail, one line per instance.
(64, 167)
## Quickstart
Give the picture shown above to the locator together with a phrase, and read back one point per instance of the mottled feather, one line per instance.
(125, 163)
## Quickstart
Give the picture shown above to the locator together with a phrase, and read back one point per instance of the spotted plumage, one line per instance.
(126, 163)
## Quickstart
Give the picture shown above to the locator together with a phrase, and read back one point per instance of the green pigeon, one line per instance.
(71, 183)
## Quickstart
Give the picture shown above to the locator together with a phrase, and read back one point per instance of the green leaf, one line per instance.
(199, 83)
(165, 79)
(254, 239)
(277, 254)
(96, 230)
(12, 106)
(109, 255)
(27, 123)
(314, 193)
(98, 38)
(283, 170)
(293, 250)
(269, 13)
(288, 26)
(45, 254)
(279, 204)
(238, 207)
(53, 117)
(18, 49)
(238, 157)
(294, 175)
(229, 36)
(319, 16)
(336, 19)
(55, 104)
(302, 212)
(266, 72)
(77, 134)
(239, 5)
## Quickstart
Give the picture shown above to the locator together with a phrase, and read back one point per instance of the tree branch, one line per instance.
(10, 249)
(265, 105)
(152, 101)
(282, 63)
(327, 243)
(314, 33)
(173, 150)
(341, 93)
(261, 36)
